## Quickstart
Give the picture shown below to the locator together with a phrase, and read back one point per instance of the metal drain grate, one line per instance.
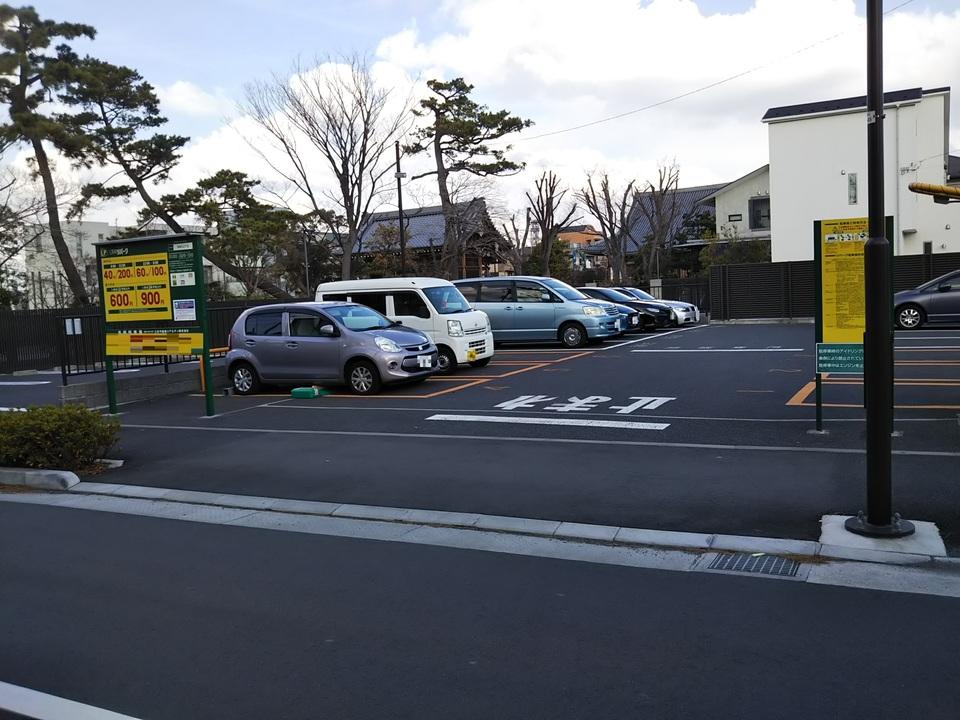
(762, 564)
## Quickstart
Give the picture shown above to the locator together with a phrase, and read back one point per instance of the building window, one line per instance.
(207, 274)
(851, 188)
(735, 217)
(760, 213)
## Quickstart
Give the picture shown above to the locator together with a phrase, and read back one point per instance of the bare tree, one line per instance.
(613, 211)
(658, 204)
(545, 208)
(338, 110)
(517, 241)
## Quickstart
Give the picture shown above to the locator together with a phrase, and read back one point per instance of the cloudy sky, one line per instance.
(560, 63)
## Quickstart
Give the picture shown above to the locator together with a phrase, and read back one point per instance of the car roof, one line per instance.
(396, 283)
(538, 278)
(309, 304)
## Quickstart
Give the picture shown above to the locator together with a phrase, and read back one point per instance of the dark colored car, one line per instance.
(937, 301)
(660, 314)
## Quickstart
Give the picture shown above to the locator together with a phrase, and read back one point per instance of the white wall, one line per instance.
(810, 162)
(735, 200)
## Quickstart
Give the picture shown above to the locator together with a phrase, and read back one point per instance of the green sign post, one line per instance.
(154, 302)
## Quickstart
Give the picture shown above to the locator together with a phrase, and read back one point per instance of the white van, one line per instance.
(432, 305)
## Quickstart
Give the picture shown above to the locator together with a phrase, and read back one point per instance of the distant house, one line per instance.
(580, 238)
(484, 246)
(742, 207)
(818, 170)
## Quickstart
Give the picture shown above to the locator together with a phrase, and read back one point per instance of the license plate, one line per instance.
(617, 324)
(424, 361)
(471, 355)
(633, 321)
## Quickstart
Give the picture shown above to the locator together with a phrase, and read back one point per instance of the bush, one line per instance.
(55, 438)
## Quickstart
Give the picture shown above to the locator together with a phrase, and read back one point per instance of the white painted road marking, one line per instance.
(34, 704)
(713, 350)
(569, 422)
(26, 382)
(650, 337)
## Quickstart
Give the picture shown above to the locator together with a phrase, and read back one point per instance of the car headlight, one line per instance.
(454, 328)
(386, 344)
(593, 310)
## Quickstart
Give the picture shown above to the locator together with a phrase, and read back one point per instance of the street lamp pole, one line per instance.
(403, 238)
(306, 265)
(880, 520)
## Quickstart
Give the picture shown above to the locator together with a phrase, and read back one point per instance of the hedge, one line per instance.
(55, 438)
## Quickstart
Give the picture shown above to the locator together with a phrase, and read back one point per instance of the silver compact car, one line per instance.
(325, 343)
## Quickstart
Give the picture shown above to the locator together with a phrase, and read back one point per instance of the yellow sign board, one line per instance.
(136, 288)
(154, 343)
(841, 258)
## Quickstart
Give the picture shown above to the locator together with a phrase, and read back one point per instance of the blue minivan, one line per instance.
(532, 308)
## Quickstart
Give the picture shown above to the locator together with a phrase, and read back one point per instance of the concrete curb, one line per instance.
(554, 529)
(39, 479)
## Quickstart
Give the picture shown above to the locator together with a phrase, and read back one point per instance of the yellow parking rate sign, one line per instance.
(841, 267)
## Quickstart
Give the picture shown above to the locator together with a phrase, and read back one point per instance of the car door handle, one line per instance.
(519, 307)
(508, 308)
(293, 345)
(250, 343)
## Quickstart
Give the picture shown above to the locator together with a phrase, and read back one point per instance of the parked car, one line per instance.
(325, 343)
(431, 305)
(937, 301)
(662, 314)
(525, 308)
(685, 313)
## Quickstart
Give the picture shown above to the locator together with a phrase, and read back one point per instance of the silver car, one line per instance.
(684, 313)
(325, 343)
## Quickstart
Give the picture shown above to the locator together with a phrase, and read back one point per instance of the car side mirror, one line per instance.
(327, 331)
(546, 297)
(946, 287)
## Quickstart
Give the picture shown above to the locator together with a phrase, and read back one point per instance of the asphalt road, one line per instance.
(720, 444)
(165, 619)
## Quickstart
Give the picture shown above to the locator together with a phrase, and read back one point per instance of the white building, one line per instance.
(742, 207)
(818, 170)
(46, 283)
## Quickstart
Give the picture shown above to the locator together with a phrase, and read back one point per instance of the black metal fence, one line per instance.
(691, 290)
(72, 340)
(786, 289)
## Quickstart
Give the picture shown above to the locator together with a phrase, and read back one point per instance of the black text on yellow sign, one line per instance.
(841, 257)
(136, 288)
(154, 343)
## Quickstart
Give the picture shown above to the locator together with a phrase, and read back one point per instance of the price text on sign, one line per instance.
(841, 257)
(136, 287)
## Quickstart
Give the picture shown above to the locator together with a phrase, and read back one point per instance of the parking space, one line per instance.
(703, 428)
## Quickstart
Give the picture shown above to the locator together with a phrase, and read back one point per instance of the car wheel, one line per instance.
(909, 317)
(363, 378)
(446, 360)
(482, 362)
(244, 379)
(573, 335)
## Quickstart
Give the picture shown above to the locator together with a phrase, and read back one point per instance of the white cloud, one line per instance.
(185, 98)
(575, 62)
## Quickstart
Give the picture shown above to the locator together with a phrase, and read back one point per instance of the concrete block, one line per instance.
(306, 507)
(372, 512)
(526, 526)
(39, 479)
(253, 502)
(583, 531)
(663, 538)
(442, 517)
(925, 541)
(840, 552)
(771, 546)
(96, 488)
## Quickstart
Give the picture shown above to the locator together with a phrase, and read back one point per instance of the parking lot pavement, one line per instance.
(702, 429)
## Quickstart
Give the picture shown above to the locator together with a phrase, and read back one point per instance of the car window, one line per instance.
(307, 324)
(264, 323)
(358, 317)
(469, 292)
(375, 300)
(567, 291)
(531, 292)
(497, 291)
(407, 302)
(446, 299)
(615, 295)
(335, 297)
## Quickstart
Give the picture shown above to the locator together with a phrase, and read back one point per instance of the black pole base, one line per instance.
(896, 529)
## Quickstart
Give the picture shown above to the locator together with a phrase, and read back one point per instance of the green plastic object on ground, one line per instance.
(308, 392)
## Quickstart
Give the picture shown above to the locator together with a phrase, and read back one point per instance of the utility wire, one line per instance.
(703, 88)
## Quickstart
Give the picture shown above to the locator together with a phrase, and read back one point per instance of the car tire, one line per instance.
(573, 335)
(446, 360)
(363, 378)
(244, 378)
(910, 317)
(482, 362)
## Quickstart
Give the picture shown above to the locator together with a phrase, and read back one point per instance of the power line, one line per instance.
(704, 87)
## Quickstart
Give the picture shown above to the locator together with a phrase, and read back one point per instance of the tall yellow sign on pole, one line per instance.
(841, 267)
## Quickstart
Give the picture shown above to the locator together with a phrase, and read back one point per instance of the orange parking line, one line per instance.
(801, 395)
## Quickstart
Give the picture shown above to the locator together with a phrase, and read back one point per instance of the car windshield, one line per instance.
(564, 290)
(358, 317)
(616, 296)
(937, 282)
(447, 299)
(641, 294)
